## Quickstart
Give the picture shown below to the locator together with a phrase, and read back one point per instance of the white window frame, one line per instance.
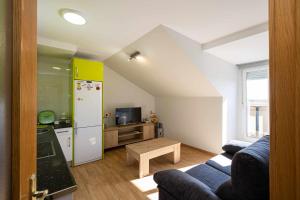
(244, 101)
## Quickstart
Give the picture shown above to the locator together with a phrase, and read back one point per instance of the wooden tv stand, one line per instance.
(121, 135)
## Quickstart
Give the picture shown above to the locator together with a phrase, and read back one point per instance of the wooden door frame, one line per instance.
(285, 99)
(24, 96)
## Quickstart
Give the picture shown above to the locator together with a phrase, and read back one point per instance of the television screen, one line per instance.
(126, 116)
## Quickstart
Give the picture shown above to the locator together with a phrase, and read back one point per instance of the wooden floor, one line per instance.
(113, 179)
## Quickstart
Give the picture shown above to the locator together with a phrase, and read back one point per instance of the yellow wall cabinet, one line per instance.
(87, 70)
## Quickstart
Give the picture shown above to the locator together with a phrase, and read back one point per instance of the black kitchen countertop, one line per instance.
(62, 125)
(53, 172)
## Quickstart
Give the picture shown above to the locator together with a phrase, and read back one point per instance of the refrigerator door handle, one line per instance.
(75, 128)
(69, 142)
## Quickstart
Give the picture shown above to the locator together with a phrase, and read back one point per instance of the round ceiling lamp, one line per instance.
(73, 16)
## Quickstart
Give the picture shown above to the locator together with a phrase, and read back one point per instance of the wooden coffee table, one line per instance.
(144, 151)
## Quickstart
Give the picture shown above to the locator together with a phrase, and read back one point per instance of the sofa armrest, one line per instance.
(183, 186)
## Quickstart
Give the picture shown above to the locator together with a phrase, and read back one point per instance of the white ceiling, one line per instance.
(113, 25)
(50, 48)
(247, 50)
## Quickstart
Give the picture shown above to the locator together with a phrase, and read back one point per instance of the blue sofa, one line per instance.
(241, 175)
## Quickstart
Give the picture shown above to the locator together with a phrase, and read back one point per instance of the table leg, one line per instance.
(144, 166)
(130, 158)
(176, 153)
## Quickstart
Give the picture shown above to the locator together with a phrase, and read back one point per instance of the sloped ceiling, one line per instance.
(221, 74)
(165, 70)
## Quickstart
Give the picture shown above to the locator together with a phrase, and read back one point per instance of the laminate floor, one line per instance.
(113, 179)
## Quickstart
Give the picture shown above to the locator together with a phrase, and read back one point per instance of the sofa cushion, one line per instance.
(208, 175)
(225, 191)
(221, 162)
(163, 194)
(234, 146)
(175, 184)
(250, 171)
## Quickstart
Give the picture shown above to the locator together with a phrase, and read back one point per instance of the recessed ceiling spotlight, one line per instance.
(73, 16)
(57, 68)
(135, 56)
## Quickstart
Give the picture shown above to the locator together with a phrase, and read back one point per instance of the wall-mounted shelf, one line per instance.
(122, 135)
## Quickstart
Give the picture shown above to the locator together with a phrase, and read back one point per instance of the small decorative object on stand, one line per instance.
(146, 120)
(153, 118)
(159, 130)
(107, 117)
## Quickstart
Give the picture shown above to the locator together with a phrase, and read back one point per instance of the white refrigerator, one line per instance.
(87, 121)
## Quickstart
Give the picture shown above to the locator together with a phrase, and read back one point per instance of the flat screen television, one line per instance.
(126, 116)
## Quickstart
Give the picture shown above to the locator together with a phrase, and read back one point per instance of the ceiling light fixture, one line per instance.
(134, 56)
(57, 68)
(68, 69)
(73, 16)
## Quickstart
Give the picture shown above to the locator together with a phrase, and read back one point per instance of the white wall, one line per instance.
(175, 67)
(225, 77)
(221, 74)
(119, 92)
(195, 121)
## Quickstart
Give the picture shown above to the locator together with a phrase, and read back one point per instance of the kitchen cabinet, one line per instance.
(65, 138)
(87, 70)
(148, 131)
(110, 139)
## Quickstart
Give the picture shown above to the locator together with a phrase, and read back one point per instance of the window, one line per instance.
(256, 102)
